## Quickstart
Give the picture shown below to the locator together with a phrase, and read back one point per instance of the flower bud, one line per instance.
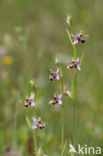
(56, 61)
(69, 20)
(32, 83)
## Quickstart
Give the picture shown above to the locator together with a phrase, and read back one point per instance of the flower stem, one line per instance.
(74, 84)
(74, 51)
(73, 102)
(73, 124)
(14, 125)
(70, 38)
(62, 119)
(74, 95)
(35, 142)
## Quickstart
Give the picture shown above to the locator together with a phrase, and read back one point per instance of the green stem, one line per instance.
(74, 51)
(35, 142)
(73, 102)
(73, 124)
(69, 35)
(74, 84)
(62, 118)
(14, 124)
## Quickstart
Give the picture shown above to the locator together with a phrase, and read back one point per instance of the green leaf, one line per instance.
(29, 123)
(81, 58)
(69, 35)
(61, 73)
(65, 146)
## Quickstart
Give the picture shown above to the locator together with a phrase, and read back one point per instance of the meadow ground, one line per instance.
(32, 34)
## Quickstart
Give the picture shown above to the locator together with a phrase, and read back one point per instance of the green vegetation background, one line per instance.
(32, 34)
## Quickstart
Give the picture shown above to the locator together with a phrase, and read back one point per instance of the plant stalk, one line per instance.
(74, 85)
(35, 142)
(62, 119)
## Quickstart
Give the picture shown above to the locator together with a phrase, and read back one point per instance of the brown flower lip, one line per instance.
(40, 124)
(74, 64)
(29, 100)
(81, 39)
(54, 75)
(56, 100)
(37, 123)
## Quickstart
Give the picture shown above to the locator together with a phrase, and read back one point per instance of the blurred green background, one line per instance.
(32, 34)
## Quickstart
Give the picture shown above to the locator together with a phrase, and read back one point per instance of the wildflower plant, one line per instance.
(58, 99)
(75, 64)
(36, 122)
